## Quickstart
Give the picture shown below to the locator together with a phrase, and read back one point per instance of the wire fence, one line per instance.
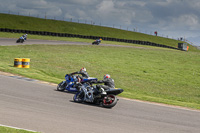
(92, 22)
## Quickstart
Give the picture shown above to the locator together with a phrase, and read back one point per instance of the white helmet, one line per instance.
(83, 69)
(106, 76)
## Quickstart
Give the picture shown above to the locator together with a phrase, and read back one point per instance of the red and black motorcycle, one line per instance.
(97, 42)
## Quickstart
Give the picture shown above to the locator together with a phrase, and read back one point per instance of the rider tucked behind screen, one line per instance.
(108, 83)
(25, 36)
(99, 40)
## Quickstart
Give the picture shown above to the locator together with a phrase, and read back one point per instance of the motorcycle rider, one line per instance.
(82, 71)
(77, 82)
(99, 40)
(24, 36)
(108, 83)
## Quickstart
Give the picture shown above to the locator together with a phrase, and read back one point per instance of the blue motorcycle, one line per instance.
(22, 39)
(71, 81)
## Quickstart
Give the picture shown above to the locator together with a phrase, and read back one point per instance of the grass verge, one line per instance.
(4, 129)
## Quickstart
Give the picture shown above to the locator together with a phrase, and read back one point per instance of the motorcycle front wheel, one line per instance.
(61, 86)
(21, 40)
(109, 101)
(79, 97)
(17, 41)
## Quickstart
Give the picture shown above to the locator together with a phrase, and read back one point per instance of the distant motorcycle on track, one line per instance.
(97, 42)
(22, 39)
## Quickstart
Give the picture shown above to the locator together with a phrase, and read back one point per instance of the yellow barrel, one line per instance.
(26, 63)
(18, 62)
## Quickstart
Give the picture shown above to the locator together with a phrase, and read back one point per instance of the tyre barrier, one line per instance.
(18, 62)
(83, 36)
(26, 62)
(22, 62)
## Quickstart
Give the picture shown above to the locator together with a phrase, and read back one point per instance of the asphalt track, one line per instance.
(33, 105)
(37, 106)
(12, 41)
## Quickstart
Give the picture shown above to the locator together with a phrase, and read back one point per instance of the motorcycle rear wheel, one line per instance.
(21, 40)
(109, 101)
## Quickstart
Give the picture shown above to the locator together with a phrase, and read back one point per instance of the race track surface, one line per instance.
(12, 41)
(32, 105)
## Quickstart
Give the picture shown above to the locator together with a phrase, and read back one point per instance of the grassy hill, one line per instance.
(37, 24)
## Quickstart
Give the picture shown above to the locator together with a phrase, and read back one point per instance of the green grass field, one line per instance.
(158, 75)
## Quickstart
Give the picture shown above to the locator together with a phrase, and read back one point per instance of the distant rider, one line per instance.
(108, 83)
(98, 41)
(24, 36)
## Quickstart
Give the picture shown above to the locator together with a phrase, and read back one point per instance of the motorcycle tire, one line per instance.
(109, 101)
(79, 97)
(17, 41)
(21, 40)
(95, 43)
(61, 86)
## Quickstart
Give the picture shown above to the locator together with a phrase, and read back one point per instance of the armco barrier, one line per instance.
(83, 36)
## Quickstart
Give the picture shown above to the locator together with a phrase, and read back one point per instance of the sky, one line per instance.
(170, 18)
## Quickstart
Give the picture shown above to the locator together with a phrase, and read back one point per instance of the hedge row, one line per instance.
(83, 36)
